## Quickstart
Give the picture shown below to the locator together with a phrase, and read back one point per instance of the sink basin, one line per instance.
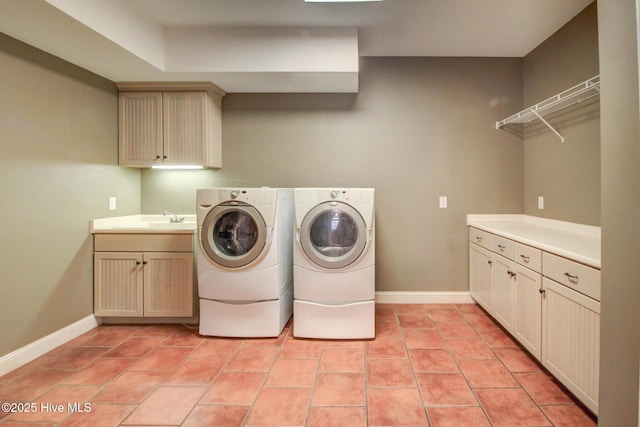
(180, 225)
(157, 225)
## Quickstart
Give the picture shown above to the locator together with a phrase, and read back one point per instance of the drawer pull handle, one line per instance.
(525, 258)
(571, 277)
(479, 239)
(501, 247)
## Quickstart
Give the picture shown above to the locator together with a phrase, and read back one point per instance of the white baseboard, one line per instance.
(147, 320)
(423, 298)
(32, 351)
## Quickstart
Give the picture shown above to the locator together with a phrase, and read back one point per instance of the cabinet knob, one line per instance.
(165, 157)
(158, 157)
(490, 262)
(144, 262)
(542, 291)
(138, 262)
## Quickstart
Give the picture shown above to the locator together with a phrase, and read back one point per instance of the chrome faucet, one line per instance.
(175, 218)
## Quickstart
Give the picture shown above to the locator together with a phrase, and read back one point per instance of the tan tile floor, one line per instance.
(430, 365)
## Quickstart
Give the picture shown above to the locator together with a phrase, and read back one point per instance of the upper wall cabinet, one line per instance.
(163, 125)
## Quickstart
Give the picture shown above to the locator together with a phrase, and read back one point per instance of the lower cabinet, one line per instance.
(571, 340)
(547, 303)
(129, 282)
(527, 318)
(517, 302)
(503, 291)
(480, 270)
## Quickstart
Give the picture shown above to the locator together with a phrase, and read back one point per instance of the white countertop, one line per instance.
(143, 224)
(578, 242)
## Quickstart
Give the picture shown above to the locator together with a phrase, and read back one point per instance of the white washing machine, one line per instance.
(334, 263)
(244, 261)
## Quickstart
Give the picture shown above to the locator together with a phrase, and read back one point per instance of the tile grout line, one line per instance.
(457, 362)
(473, 390)
(210, 383)
(413, 370)
(520, 385)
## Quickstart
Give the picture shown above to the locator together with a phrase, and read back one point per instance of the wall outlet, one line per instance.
(443, 202)
(540, 202)
(112, 203)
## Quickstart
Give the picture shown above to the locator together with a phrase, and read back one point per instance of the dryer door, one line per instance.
(233, 234)
(333, 235)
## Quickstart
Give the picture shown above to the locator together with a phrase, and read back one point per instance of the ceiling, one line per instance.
(274, 45)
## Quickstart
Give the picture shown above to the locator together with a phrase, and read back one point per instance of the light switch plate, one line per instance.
(443, 202)
(540, 202)
(112, 203)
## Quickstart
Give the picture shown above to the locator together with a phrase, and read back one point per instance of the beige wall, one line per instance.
(620, 113)
(566, 174)
(419, 128)
(58, 151)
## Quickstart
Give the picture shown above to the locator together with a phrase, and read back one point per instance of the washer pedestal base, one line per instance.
(354, 320)
(246, 320)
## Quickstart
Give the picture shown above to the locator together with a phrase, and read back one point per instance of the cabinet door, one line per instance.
(168, 284)
(185, 127)
(571, 340)
(140, 128)
(118, 281)
(502, 291)
(528, 309)
(480, 275)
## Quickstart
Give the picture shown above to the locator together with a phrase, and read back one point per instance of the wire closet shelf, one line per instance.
(572, 96)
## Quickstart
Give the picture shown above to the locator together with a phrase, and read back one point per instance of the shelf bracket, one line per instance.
(548, 125)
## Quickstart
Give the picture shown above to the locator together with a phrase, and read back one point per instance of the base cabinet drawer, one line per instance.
(579, 277)
(481, 238)
(527, 256)
(503, 247)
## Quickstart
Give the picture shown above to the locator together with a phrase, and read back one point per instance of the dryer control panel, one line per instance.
(362, 199)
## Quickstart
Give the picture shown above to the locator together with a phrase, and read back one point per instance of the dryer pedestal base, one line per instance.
(246, 320)
(354, 320)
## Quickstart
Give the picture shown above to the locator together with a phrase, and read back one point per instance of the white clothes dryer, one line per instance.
(334, 263)
(244, 261)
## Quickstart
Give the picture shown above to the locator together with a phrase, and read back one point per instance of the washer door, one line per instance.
(233, 234)
(333, 235)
